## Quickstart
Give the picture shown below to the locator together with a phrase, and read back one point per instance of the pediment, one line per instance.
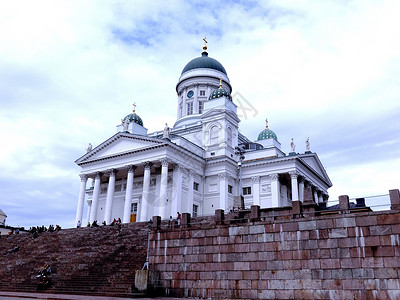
(119, 144)
(314, 163)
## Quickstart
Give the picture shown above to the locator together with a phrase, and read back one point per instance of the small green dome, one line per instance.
(204, 62)
(267, 134)
(134, 118)
(220, 92)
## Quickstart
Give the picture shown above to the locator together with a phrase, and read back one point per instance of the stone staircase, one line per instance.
(86, 261)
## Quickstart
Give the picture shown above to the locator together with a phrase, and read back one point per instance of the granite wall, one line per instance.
(285, 253)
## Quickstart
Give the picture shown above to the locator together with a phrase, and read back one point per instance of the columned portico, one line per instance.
(146, 191)
(176, 204)
(223, 190)
(256, 189)
(81, 199)
(163, 187)
(95, 200)
(110, 196)
(295, 189)
(275, 190)
(128, 194)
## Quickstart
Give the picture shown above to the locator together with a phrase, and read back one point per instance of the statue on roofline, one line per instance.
(166, 132)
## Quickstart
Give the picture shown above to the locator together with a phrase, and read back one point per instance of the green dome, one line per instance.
(204, 62)
(219, 93)
(267, 134)
(134, 118)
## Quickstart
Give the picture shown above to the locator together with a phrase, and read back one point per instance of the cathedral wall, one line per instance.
(281, 254)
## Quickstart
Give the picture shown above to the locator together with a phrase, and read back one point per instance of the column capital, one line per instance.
(255, 179)
(98, 174)
(223, 176)
(131, 168)
(164, 162)
(274, 176)
(83, 177)
(293, 174)
(147, 165)
(178, 167)
(112, 172)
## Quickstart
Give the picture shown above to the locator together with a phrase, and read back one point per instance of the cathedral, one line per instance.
(201, 164)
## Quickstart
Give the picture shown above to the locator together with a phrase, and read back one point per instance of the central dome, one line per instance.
(204, 62)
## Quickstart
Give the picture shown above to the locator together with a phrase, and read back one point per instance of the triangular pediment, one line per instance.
(119, 144)
(315, 164)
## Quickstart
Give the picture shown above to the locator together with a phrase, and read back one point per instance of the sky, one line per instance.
(70, 70)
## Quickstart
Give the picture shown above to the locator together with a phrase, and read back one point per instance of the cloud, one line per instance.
(70, 70)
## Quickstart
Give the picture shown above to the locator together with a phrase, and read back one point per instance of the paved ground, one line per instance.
(27, 296)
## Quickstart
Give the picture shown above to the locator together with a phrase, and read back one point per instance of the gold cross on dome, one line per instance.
(266, 123)
(134, 106)
(205, 40)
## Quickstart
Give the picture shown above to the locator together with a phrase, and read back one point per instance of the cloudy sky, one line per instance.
(70, 70)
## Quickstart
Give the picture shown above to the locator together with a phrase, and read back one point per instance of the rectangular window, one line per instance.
(247, 190)
(195, 186)
(195, 210)
(202, 93)
(230, 189)
(133, 208)
(201, 107)
(190, 108)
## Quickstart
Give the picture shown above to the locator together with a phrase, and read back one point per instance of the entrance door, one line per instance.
(133, 218)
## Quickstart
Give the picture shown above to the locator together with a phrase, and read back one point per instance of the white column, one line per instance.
(95, 200)
(301, 189)
(146, 191)
(189, 202)
(176, 204)
(110, 197)
(315, 195)
(163, 188)
(256, 189)
(89, 202)
(81, 199)
(295, 188)
(128, 195)
(320, 197)
(223, 191)
(275, 190)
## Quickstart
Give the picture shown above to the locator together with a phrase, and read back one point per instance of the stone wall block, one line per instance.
(344, 204)
(254, 213)
(338, 233)
(309, 225)
(388, 219)
(394, 199)
(156, 223)
(325, 223)
(345, 222)
(366, 220)
(185, 220)
(219, 216)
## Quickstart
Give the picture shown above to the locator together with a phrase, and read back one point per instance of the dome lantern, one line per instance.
(267, 133)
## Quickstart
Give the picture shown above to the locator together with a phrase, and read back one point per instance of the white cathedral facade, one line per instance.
(201, 164)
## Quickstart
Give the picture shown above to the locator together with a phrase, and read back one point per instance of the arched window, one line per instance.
(214, 135)
(229, 136)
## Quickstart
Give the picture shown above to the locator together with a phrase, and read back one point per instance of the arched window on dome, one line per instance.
(229, 137)
(214, 135)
